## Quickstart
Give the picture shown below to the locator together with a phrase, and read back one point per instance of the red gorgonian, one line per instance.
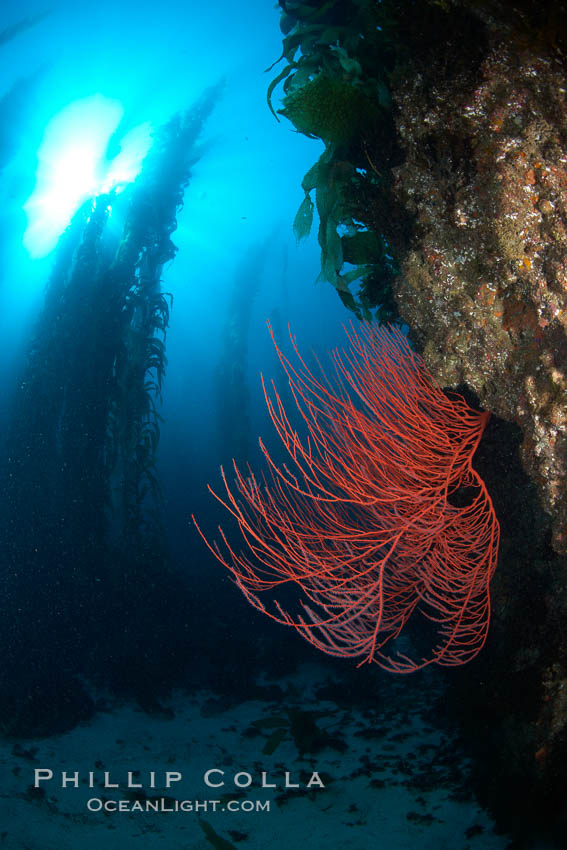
(368, 521)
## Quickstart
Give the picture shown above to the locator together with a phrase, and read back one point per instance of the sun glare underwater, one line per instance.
(72, 166)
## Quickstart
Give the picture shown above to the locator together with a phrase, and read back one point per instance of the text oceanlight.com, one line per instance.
(167, 804)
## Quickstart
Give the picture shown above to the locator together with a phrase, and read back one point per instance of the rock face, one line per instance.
(484, 283)
(445, 131)
(459, 174)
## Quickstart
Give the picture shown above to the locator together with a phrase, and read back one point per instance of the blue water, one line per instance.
(153, 60)
(149, 61)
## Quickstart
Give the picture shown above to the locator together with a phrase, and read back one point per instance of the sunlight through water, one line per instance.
(71, 166)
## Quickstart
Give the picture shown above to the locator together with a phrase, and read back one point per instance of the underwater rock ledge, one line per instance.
(484, 283)
(445, 206)
(442, 192)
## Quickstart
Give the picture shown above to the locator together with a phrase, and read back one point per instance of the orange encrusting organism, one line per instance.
(361, 522)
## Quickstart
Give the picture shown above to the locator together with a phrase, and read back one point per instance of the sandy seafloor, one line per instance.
(397, 780)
